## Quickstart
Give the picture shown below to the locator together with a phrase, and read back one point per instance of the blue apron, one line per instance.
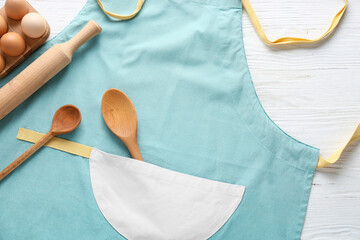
(183, 64)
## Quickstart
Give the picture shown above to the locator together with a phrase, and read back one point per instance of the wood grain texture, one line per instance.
(23, 157)
(312, 93)
(43, 69)
(65, 120)
(120, 116)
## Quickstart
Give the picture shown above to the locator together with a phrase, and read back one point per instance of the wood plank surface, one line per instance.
(312, 93)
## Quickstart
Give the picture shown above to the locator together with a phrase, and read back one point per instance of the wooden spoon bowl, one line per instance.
(66, 119)
(120, 116)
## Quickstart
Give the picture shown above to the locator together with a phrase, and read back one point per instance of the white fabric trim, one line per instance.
(144, 201)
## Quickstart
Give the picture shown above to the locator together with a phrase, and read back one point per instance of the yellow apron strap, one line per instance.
(123, 17)
(57, 143)
(336, 155)
(289, 40)
(84, 151)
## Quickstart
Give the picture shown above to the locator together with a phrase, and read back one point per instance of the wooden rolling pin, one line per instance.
(42, 69)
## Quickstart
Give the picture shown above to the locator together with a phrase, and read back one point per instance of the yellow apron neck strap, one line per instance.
(289, 40)
(122, 17)
(84, 151)
(254, 19)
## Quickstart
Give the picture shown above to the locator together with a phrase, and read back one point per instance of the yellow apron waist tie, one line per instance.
(84, 151)
(336, 155)
(56, 143)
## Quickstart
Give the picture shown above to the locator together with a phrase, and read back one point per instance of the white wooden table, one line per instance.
(312, 93)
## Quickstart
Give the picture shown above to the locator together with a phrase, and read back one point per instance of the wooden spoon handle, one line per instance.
(25, 155)
(135, 153)
(134, 149)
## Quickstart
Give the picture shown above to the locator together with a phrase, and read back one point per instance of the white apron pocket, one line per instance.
(144, 201)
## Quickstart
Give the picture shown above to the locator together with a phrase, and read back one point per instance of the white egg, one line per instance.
(33, 25)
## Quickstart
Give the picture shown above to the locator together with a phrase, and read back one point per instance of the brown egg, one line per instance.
(3, 26)
(2, 63)
(12, 44)
(16, 9)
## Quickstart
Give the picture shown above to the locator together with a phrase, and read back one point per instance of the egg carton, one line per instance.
(31, 43)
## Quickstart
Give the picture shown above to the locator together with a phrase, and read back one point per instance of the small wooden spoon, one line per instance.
(120, 116)
(65, 120)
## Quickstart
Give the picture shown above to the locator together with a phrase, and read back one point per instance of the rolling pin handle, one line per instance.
(91, 29)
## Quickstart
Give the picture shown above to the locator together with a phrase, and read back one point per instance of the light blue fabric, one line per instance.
(183, 65)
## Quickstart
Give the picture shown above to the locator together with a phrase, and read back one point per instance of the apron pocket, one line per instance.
(144, 201)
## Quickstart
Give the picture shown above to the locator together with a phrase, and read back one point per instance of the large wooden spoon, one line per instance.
(65, 120)
(120, 116)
